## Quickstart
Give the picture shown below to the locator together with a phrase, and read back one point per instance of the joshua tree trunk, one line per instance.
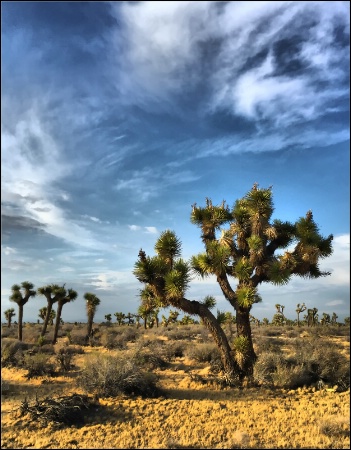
(20, 321)
(231, 368)
(90, 326)
(244, 330)
(47, 319)
(57, 323)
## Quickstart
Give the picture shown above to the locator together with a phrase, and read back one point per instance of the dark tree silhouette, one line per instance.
(20, 295)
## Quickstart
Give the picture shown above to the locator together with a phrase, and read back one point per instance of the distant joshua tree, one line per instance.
(108, 317)
(119, 317)
(21, 298)
(92, 302)
(312, 317)
(9, 313)
(52, 293)
(43, 314)
(299, 310)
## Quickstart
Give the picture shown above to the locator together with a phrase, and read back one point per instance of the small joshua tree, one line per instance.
(9, 313)
(92, 302)
(299, 310)
(20, 295)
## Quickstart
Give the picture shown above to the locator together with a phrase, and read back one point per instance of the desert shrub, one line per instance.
(9, 332)
(64, 354)
(269, 331)
(9, 352)
(37, 364)
(114, 339)
(265, 366)
(202, 352)
(179, 334)
(313, 360)
(292, 333)
(335, 426)
(78, 335)
(173, 350)
(47, 348)
(131, 334)
(149, 359)
(109, 376)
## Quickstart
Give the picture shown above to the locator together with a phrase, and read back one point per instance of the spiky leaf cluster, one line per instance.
(166, 276)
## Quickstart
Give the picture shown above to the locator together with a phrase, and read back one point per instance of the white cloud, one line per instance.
(152, 230)
(8, 250)
(335, 303)
(134, 227)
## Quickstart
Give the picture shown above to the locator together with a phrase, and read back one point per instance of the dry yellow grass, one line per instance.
(190, 415)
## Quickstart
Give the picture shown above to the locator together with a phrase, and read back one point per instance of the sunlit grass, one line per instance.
(194, 411)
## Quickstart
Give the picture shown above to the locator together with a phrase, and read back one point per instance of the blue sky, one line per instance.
(118, 116)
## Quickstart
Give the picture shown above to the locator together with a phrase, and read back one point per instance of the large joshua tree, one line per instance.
(20, 295)
(251, 251)
(70, 296)
(92, 302)
(52, 293)
(166, 277)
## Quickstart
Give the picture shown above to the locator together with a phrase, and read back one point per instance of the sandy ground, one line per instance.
(189, 415)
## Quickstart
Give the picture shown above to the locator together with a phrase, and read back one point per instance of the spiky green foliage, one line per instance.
(209, 301)
(201, 265)
(177, 280)
(246, 296)
(168, 247)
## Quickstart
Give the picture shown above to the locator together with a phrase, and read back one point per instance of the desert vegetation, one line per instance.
(163, 387)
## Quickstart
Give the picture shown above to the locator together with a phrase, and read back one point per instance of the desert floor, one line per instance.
(191, 413)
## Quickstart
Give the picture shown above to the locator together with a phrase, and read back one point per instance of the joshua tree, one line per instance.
(278, 319)
(244, 251)
(333, 318)
(325, 319)
(167, 278)
(108, 318)
(299, 310)
(43, 313)
(9, 313)
(137, 319)
(70, 296)
(312, 317)
(21, 298)
(130, 319)
(52, 293)
(144, 312)
(92, 302)
(119, 317)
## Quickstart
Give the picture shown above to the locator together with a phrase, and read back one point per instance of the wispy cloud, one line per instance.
(335, 303)
(258, 58)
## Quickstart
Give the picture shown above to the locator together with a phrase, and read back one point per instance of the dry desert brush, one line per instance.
(110, 376)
